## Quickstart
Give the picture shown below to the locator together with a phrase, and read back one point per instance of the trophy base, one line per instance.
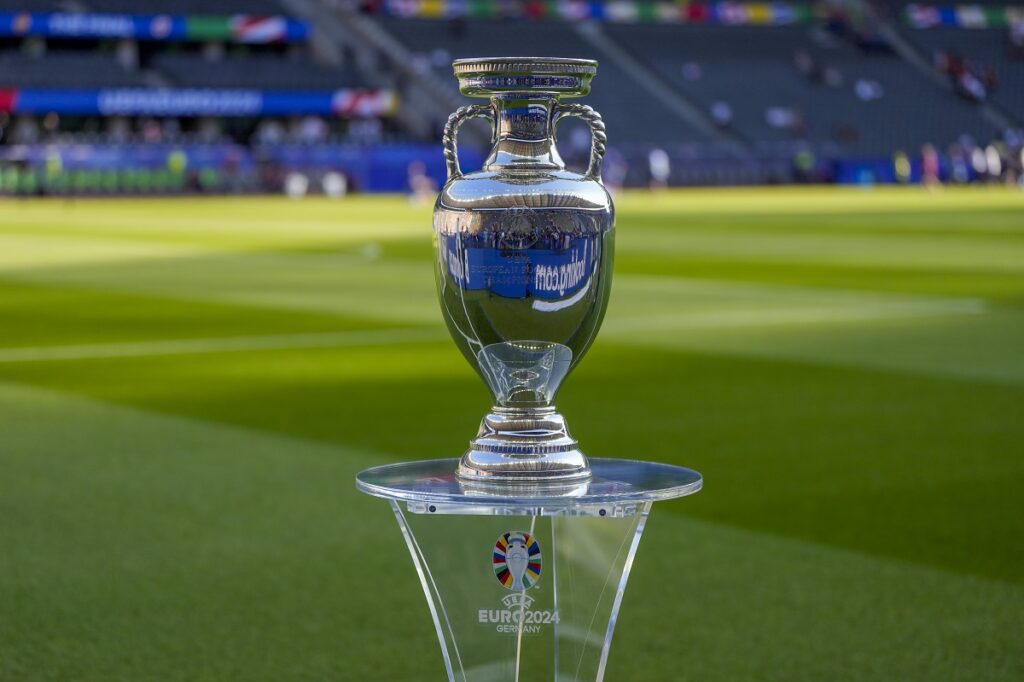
(526, 445)
(524, 582)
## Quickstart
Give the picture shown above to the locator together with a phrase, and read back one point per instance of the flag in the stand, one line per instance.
(971, 16)
(922, 16)
(250, 29)
(621, 11)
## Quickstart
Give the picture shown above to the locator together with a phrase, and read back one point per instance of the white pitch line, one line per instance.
(369, 337)
(747, 317)
(669, 285)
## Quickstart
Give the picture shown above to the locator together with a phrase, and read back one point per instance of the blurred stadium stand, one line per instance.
(755, 70)
(194, 7)
(233, 95)
(65, 69)
(645, 120)
(257, 71)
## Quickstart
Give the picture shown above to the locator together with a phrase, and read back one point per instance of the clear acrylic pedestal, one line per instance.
(524, 581)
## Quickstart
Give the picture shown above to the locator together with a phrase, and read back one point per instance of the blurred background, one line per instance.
(174, 96)
(217, 305)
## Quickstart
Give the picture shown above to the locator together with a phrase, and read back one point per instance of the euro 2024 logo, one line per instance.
(517, 565)
(517, 561)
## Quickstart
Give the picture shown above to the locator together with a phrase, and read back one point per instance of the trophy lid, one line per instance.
(486, 76)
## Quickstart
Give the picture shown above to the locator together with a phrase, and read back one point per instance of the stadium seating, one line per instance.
(258, 71)
(752, 69)
(629, 112)
(258, 7)
(39, 6)
(749, 68)
(71, 69)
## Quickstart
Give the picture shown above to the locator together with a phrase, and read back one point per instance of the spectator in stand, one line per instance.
(51, 126)
(994, 163)
(270, 132)
(660, 167)
(901, 167)
(960, 171)
(25, 131)
(365, 131)
(440, 58)
(989, 78)
(846, 134)
(1020, 167)
(312, 130)
(969, 81)
(806, 66)
(209, 130)
(785, 118)
(1014, 156)
(930, 166)
(171, 129)
(692, 71)
(615, 169)
(971, 87)
(152, 131)
(721, 114)
(422, 187)
(1017, 39)
(804, 165)
(868, 90)
(119, 129)
(421, 63)
(979, 163)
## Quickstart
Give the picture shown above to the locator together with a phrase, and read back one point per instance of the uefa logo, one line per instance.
(516, 560)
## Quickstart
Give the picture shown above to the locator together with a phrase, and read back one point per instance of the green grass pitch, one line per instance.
(187, 388)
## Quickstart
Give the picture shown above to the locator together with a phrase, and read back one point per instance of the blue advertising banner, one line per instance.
(241, 28)
(199, 102)
(92, 26)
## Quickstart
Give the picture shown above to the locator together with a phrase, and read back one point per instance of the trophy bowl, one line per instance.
(524, 252)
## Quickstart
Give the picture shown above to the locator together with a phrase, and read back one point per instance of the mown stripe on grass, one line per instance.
(372, 337)
(952, 253)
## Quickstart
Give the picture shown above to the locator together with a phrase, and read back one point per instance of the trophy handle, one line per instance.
(597, 133)
(451, 132)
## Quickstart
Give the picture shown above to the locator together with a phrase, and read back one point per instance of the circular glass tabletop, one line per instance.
(620, 481)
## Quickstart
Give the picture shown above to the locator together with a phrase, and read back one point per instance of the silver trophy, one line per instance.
(524, 261)
(523, 546)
